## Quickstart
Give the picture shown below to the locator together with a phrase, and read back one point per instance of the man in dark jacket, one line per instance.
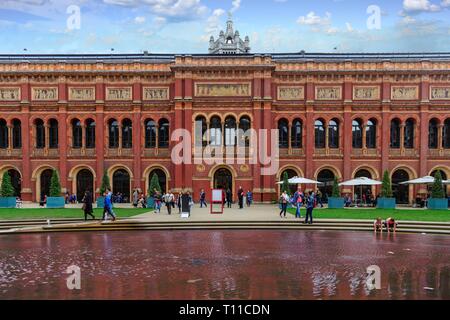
(87, 205)
(241, 198)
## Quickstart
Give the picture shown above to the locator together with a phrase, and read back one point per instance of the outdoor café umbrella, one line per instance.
(299, 180)
(362, 181)
(424, 180)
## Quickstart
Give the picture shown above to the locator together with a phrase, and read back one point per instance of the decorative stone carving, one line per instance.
(119, 94)
(328, 93)
(405, 93)
(201, 168)
(155, 94)
(82, 94)
(9, 94)
(440, 93)
(366, 93)
(44, 94)
(290, 93)
(223, 89)
(244, 168)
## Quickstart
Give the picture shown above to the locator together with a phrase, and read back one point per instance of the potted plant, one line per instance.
(105, 185)
(335, 201)
(437, 200)
(154, 184)
(55, 200)
(386, 201)
(7, 199)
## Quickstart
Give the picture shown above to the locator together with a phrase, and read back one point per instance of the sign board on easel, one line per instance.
(216, 206)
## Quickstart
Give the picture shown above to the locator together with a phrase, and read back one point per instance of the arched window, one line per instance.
(215, 131)
(127, 134)
(53, 134)
(433, 134)
(371, 134)
(357, 134)
(333, 134)
(245, 125)
(40, 134)
(77, 134)
(230, 131)
(90, 134)
(319, 134)
(200, 128)
(113, 128)
(283, 129)
(395, 134)
(3, 134)
(446, 135)
(409, 133)
(163, 133)
(17, 134)
(150, 134)
(296, 134)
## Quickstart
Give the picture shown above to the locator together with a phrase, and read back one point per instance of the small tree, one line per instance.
(438, 191)
(7, 189)
(336, 193)
(154, 184)
(285, 185)
(386, 187)
(55, 185)
(105, 183)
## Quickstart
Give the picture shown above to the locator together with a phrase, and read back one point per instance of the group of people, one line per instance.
(70, 198)
(390, 224)
(139, 199)
(170, 200)
(309, 200)
(227, 198)
(366, 199)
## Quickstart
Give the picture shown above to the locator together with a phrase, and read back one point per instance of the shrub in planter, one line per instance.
(55, 200)
(386, 201)
(335, 201)
(438, 200)
(7, 199)
(105, 185)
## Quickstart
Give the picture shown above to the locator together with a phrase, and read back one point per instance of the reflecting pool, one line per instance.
(225, 264)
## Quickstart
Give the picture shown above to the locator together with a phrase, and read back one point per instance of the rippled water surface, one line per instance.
(224, 265)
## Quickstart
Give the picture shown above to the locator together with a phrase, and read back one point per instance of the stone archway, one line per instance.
(84, 182)
(121, 186)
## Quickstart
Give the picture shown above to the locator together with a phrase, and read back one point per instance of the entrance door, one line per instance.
(46, 177)
(85, 182)
(121, 185)
(326, 188)
(16, 182)
(364, 190)
(223, 179)
(400, 191)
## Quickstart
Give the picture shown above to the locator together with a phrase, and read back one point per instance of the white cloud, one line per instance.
(312, 19)
(445, 3)
(236, 4)
(418, 6)
(213, 24)
(349, 27)
(139, 20)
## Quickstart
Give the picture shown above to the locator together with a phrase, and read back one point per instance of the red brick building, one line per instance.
(341, 115)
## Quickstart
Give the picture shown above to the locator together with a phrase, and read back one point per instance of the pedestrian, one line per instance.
(310, 202)
(298, 201)
(108, 206)
(135, 198)
(284, 199)
(229, 198)
(319, 198)
(87, 205)
(168, 200)
(158, 201)
(241, 198)
(203, 198)
(249, 198)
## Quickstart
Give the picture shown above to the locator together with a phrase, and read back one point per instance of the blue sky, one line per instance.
(184, 26)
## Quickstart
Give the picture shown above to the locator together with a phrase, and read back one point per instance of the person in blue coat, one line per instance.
(108, 209)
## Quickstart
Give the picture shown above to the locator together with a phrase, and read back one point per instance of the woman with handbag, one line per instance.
(87, 205)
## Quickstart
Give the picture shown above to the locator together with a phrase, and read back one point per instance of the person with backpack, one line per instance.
(284, 199)
(298, 202)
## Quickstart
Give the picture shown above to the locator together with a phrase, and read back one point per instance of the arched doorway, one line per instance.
(85, 182)
(364, 190)
(121, 186)
(16, 181)
(223, 179)
(326, 176)
(400, 191)
(162, 178)
(46, 177)
(290, 173)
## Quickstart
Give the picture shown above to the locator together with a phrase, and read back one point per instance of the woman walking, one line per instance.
(87, 205)
(284, 199)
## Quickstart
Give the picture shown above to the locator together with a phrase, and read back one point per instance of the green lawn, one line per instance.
(411, 215)
(13, 214)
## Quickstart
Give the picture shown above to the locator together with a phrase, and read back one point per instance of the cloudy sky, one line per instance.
(184, 26)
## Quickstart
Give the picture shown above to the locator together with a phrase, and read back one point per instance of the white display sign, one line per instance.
(217, 195)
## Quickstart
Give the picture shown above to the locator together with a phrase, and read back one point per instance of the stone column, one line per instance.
(26, 154)
(100, 146)
(348, 147)
(62, 146)
(137, 149)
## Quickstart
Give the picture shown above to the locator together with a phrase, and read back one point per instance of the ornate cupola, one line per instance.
(229, 42)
